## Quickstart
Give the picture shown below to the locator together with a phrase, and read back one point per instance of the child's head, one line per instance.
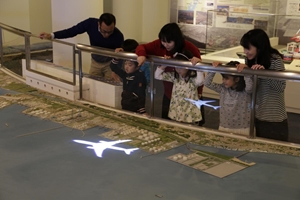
(130, 45)
(184, 73)
(232, 81)
(130, 66)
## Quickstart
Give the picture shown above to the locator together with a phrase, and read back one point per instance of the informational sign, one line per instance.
(293, 8)
(194, 11)
(243, 2)
(229, 14)
(241, 17)
(220, 23)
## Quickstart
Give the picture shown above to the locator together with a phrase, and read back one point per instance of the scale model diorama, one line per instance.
(138, 131)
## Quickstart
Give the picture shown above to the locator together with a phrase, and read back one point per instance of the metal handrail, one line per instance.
(286, 75)
(27, 36)
(105, 52)
(155, 60)
(23, 33)
(13, 29)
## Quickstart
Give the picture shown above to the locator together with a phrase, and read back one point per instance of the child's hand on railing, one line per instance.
(167, 57)
(216, 63)
(117, 50)
(195, 60)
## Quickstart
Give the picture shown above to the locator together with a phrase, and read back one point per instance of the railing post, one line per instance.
(253, 102)
(80, 73)
(27, 51)
(74, 65)
(152, 89)
(1, 48)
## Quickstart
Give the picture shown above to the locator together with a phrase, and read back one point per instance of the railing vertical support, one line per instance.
(152, 89)
(80, 73)
(1, 48)
(74, 65)
(27, 51)
(253, 102)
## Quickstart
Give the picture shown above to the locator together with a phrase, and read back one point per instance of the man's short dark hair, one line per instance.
(108, 19)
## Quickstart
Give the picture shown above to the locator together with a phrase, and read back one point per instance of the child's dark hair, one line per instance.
(241, 83)
(129, 45)
(259, 39)
(171, 32)
(185, 56)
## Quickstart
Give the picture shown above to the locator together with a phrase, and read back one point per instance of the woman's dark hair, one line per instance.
(241, 83)
(185, 56)
(130, 45)
(107, 18)
(171, 32)
(259, 39)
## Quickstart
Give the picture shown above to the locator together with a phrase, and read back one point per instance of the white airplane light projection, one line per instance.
(200, 103)
(102, 145)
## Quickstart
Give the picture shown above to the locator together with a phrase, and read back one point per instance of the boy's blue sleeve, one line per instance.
(146, 69)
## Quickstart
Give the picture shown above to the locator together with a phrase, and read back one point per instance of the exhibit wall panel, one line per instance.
(231, 19)
(129, 15)
(14, 13)
(66, 14)
(40, 16)
(140, 20)
(156, 13)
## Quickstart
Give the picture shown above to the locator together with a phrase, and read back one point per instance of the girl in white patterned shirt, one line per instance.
(185, 84)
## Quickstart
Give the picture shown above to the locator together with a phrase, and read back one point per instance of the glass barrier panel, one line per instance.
(185, 108)
(41, 49)
(118, 89)
(292, 100)
(161, 102)
(13, 51)
(276, 110)
(62, 55)
(211, 114)
(49, 63)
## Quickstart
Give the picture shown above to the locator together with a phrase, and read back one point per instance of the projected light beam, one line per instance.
(200, 103)
(103, 145)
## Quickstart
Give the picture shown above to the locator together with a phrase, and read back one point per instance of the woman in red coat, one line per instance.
(170, 41)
